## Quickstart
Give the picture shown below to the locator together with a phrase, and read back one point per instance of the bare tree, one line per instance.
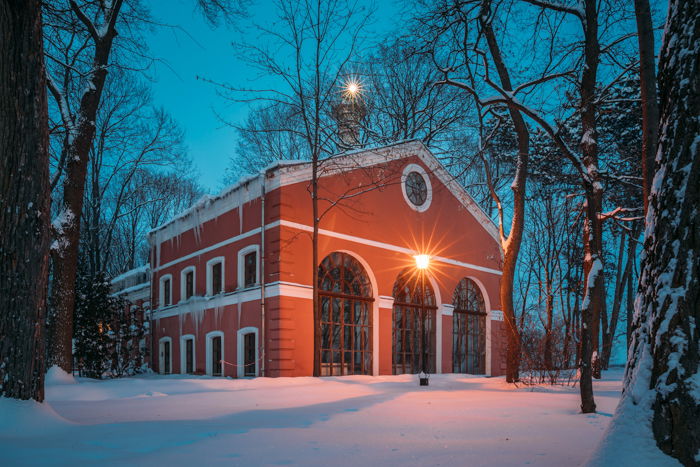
(662, 372)
(24, 200)
(82, 40)
(456, 20)
(309, 48)
(99, 22)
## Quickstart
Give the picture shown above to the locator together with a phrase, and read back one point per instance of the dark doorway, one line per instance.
(216, 363)
(189, 356)
(249, 354)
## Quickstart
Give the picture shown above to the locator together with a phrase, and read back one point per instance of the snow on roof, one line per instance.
(131, 272)
(207, 200)
(209, 207)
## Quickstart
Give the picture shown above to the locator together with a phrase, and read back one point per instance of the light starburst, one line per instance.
(352, 89)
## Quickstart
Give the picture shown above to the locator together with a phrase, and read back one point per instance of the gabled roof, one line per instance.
(283, 173)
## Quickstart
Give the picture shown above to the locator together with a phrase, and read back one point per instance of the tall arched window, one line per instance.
(345, 297)
(413, 324)
(468, 329)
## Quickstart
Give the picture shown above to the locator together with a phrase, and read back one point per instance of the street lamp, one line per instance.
(422, 264)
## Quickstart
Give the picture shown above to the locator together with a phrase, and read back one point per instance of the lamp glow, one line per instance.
(422, 261)
(352, 89)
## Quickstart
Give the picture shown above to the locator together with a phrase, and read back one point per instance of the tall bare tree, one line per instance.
(83, 36)
(309, 48)
(99, 21)
(24, 200)
(461, 20)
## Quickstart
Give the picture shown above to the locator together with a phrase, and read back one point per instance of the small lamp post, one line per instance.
(422, 264)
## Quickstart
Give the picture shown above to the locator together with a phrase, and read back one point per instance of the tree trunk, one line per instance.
(314, 265)
(65, 256)
(662, 373)
(24, 200)
(650, 102)
(511, 243)
(549, 309)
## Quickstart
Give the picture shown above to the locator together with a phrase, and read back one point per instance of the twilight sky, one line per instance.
(197, 49)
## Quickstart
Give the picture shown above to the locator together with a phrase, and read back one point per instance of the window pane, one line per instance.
(166, 292)
(250, 262)
(189, 284)
(217, 279)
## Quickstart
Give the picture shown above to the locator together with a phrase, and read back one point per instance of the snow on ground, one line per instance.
(355, 420)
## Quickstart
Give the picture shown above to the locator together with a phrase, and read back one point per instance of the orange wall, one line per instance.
(447, 229)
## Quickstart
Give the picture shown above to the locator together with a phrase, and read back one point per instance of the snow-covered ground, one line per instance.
(356, 420)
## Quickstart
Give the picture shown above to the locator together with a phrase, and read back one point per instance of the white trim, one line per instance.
(386, 302)
(386, 246)
(429, 187)
(210, 276)
(241, 265)
(183, 283)
(235, 197)
(447, 309)
(240, 358)
(275, 289)
(328, 233)
(210, 335)
(161, 357)
(183, 354)
(161, 291)
(196, 253)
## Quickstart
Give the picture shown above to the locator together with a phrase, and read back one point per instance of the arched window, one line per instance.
(413, 324)
(468, 329)
(345, 298)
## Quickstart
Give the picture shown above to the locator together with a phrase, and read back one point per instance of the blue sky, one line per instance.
(192, 49)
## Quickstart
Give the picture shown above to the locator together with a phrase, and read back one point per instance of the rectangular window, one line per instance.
(250, 274)
(189, 284)
(217, 279)
(189, 356)
(166, 292)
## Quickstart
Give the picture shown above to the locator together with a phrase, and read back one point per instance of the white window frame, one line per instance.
(209, 337)
(429, 188)
(240, 359)
(183, 282)
(241, 265)
(183, 354)
(161, 357)
(161, 290)
(210, 276)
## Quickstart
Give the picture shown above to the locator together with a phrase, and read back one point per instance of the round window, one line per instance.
(416, 189)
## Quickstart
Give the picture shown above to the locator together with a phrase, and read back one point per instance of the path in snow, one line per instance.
(356, 420)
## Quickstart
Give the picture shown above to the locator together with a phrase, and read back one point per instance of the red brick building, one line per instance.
(232, 276)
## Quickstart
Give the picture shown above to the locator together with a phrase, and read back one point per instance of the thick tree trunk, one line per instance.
(650, 102)
(594, 293)
(24, 200)
(65, 255)
(662, 373)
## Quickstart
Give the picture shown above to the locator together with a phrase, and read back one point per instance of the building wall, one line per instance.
(379, 228)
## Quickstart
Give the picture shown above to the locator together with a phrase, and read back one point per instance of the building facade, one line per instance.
(408, 273)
